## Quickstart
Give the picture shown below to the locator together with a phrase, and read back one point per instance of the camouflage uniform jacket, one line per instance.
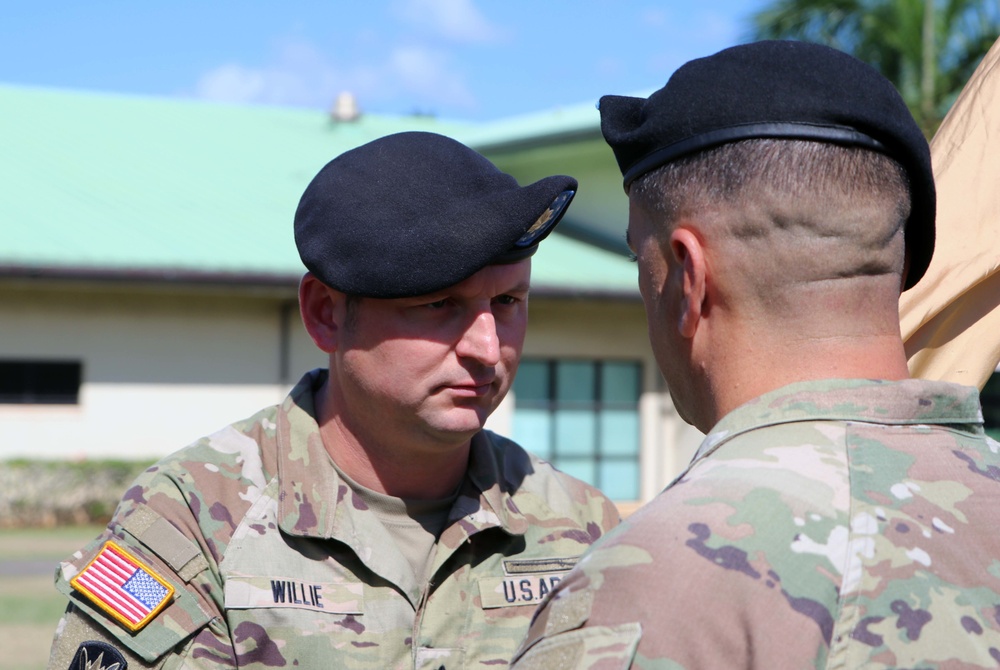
(831, 524)
(275, 562)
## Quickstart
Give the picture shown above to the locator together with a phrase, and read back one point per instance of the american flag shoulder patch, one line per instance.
(123, 586)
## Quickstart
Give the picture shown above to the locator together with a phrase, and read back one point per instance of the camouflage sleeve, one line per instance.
(563, 633)
(560, 638)
(172, 572)
(80, 642)
(672, 592)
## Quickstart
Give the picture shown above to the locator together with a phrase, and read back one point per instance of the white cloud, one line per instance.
(428, 74)
(403, 79)
(456, 20)
(231, 83)
(653, 17)
(299, 75)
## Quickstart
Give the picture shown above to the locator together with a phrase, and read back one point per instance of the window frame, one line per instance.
(596, 406)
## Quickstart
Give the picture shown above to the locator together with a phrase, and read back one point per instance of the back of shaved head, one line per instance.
(788, 215)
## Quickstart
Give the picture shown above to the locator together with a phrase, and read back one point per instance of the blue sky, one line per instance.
(460, 59)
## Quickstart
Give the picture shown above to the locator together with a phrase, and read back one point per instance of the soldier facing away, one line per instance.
(368, 521)
(838, 513)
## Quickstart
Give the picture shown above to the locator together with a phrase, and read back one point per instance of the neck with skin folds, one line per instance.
(389, 469)
(821, 331)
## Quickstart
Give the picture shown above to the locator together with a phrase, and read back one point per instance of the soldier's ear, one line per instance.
(323, 312)
(690, 270)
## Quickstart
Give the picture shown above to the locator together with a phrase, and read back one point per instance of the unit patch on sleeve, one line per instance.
(97, 656)
(125, 588)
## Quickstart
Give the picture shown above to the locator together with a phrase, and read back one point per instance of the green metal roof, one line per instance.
(118, 184)
(564, 263)
(545, 127)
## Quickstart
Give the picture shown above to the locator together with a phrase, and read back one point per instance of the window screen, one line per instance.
(25, 382)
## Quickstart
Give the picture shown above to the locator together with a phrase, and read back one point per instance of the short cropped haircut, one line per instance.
(829, 175)
(352, 303)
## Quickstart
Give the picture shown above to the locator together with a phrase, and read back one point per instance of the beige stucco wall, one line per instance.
(160, 369)
(164, 367)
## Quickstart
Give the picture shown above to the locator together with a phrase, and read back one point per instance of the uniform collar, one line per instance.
(906, 402)
(310, 487)
(486, 498)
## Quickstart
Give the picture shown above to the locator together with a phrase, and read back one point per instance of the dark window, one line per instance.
(991, 405)
(40, 382)
(583, 417)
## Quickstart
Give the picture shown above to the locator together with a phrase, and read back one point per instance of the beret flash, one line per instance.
(415, 212)
(779, 90)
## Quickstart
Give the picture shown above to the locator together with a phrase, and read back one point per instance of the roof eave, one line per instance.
(249, 281)
(149, 275)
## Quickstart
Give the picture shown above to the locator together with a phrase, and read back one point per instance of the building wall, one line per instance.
(161, 368)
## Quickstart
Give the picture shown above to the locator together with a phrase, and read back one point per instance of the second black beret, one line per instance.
(777, 89)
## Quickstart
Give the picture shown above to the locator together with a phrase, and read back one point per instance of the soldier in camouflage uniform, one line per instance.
(368, 521)
(838, 514)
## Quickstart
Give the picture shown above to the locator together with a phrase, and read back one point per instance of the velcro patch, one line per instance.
(529, 566)
(96, 655)
(124, 587)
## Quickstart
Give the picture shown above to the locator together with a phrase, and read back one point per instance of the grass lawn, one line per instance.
(30, 606)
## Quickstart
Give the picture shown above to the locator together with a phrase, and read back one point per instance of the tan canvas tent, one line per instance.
(951, 319)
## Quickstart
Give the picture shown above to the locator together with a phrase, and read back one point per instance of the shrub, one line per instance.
(55, 493)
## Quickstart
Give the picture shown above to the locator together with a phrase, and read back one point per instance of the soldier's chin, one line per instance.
(461, 421)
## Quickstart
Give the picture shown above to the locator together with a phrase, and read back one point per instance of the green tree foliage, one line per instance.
(927, 48)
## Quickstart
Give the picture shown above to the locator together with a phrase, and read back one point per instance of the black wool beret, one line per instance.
(783, 90)
(415, 212)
